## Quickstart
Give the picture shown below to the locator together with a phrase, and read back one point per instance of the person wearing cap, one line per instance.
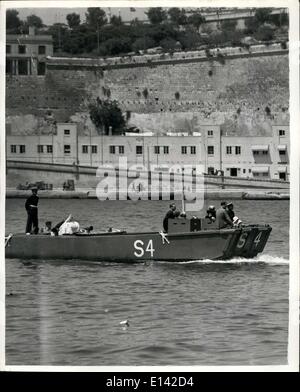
(223, 220)
(211, 214)
(31, 206)
(230, 210)
(171, 214)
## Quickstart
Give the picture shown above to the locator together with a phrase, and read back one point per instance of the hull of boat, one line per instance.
(200, 245)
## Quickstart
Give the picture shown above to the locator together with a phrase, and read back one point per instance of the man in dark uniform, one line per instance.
(171, 214)
(32, 212)
(230, 211)
(222, 218)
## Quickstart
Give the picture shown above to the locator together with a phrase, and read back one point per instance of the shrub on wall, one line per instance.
(105, 114)
(145, 93)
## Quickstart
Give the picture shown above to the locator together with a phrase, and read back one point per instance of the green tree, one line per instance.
(156, 15)
(33, 20)
(105, 114)
(12, 19)
(168, 43)
(116, 46)
(196, 20)
(251, 25)
(262, 15)
(228, 25)
(264, 33)
(95, 17)
(73, 20)
(116, 20)
(177, 16)
(143, 43)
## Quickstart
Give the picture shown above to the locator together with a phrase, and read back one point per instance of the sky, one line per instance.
(58, 15)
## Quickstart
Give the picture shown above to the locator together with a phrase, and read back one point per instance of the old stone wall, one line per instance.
(241, 93)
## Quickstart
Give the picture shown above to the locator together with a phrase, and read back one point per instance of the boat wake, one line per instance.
(261, 259)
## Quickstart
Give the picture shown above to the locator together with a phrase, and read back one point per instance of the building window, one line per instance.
(237, 150)
(183, 149)
(193, 150)
(265, 152)
(94, 149)
(42, 49)
(211, 171)
(265, 174)
(13, 148)
(66, 132)
(156, 150)
(8, 49)
(40, 148)
(49, 149)
(22, 67)
(210, 133)
(281, 132)
(139, 150)
(228, 150)
(41, 69)
(112, 149)
(121, 150)
(22, 149)
(255, 152)
(282, 152)
(166, 149)
(85, 149)
(210, 150)
(244, 170)
(67, 149)
(22, 49)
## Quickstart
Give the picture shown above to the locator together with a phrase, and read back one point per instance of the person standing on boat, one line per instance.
(171, 214)
(230, 210)
(31, 206)
(223, 220)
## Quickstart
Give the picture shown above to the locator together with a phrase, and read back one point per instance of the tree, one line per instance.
(264, 33)
(116, 20)
(262, 15)
(12, 19)
(168, 44)
(73, 20)
(177, 16)
(228, 25)
(105, 114)
(196, 20)
(33, 20)
(116, 46)
(156, 15)
(96, 17)
(143, 43)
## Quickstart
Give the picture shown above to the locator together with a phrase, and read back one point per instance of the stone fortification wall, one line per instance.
(242, 91)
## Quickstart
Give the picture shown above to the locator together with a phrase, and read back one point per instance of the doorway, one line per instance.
(282, 176)
(233, 172)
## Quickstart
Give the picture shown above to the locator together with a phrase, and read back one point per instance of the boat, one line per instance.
(187, 240)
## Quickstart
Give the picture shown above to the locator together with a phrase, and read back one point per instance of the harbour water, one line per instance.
(185, 313)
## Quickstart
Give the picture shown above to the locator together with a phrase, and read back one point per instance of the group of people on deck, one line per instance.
(224, 217)
(67, 226)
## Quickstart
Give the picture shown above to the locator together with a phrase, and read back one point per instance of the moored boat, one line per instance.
(187, 239)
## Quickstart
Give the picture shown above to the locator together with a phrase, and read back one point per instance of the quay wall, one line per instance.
(244, 93)
(85, 177)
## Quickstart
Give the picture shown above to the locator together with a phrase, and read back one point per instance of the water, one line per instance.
(185, 313)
